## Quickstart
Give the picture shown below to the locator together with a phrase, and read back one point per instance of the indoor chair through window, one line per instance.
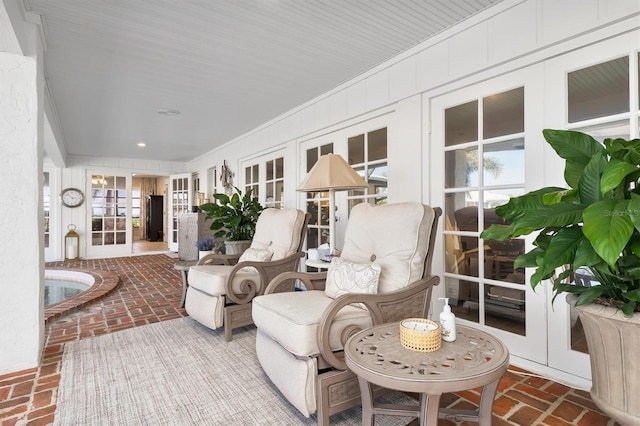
(220, 290)
(381, 276)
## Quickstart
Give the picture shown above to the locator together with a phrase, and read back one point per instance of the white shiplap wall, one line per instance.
(510, 35)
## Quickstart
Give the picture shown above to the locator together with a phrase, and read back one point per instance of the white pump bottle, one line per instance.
(447, 322)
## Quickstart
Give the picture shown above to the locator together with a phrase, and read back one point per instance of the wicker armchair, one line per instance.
(221, 287)
(301, 334)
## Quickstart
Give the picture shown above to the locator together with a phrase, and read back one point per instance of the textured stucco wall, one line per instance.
(21, 268)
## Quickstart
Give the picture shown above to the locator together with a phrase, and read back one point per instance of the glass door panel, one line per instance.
(180, 192)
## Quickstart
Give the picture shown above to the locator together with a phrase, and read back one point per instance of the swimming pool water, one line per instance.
(60, 285)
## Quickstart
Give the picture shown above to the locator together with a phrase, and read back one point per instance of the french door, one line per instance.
(180, 201)
(109, 214)
(595, 90)
(484, 144)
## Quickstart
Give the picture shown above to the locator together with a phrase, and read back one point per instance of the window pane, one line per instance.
(326, 149)
(505, 308)
(461, 124)
(247, 175)
(461, 168)
(269, 170)
(503, 163)
(616, 129)
(504, 113)
(312, 158)
(269, 195)
(356, 149)
(463, 298)
(279, 191)
(377, 145)
(279, 168)
(599, 91)
(377, 179)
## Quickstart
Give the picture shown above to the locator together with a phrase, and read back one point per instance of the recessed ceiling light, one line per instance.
(168, 111)
(142, 144)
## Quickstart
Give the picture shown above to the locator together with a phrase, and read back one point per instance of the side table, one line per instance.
(475, 359)
(319, 264)
(183, 266)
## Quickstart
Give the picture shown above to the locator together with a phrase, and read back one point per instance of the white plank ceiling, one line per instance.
(226, 65)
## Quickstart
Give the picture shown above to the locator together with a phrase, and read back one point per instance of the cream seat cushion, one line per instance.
(210, 279)
(292, 319)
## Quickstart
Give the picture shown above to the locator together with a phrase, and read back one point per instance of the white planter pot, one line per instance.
(614, 345)
(236, 247)
(203, 253)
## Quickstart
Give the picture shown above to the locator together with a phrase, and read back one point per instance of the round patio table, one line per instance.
(475, 359)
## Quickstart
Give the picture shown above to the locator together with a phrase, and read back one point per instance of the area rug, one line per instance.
(175, 373)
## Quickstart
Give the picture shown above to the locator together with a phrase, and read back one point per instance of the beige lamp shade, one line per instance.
(331, 172)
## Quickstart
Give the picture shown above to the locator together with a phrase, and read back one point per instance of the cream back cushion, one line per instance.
(255, 255)
(396, 236)
(347, 277)
(278, 230)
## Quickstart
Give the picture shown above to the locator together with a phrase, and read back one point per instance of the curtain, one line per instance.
(147, 187)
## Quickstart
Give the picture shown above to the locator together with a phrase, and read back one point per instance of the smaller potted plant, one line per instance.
(234, 219)
(206, 245)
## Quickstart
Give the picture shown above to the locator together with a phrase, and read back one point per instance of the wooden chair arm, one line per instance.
(411, 301)
(266, 271)
(285, 281)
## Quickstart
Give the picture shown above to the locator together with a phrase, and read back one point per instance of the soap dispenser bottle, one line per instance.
(447, 322)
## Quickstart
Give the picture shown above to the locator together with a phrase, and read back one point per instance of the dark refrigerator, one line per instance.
(154, 217)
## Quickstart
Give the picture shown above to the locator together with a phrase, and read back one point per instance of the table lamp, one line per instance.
(331, 173)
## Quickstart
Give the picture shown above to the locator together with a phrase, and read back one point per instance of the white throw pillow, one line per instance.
(255, 255)
(348, 277)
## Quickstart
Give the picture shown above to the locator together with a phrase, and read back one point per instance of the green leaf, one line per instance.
(527, 260)
(524, 204)
(561, 214)
(634, 211)
(589, 183)
(585, 254)
(633, 295)
(558, 196)
(497, 232)
(589, 294)
(572, 172)
(615, 173)
(563, 246)
(608, 227)
(629, 308)
(573, 146)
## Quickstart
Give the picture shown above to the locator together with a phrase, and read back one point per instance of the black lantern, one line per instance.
(71, 244)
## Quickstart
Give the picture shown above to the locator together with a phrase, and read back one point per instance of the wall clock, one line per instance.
(71, 197)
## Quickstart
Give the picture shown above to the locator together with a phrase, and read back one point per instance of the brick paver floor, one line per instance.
(150, 290)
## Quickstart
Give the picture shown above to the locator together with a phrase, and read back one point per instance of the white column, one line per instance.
(21, 217)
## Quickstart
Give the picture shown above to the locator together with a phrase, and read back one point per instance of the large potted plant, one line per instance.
(593, 224)
(234, 219)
